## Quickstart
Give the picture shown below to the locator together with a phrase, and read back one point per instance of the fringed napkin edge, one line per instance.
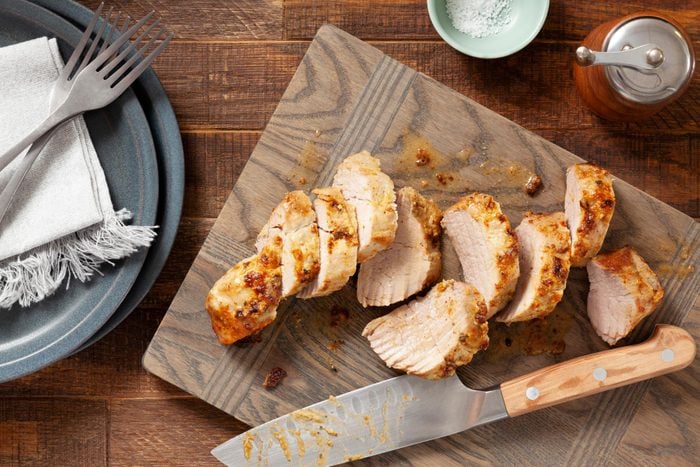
(37, 274)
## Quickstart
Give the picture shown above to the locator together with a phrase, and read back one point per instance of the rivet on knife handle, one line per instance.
(668, 349)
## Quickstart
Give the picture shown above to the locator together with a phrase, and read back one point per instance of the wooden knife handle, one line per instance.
(670, 348)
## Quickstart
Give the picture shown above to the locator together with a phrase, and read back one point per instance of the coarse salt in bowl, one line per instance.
(503, 34)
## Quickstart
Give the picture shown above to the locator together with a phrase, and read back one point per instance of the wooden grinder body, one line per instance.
(597, 91)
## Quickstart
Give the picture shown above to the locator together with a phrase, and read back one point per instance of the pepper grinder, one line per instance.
(630, 68)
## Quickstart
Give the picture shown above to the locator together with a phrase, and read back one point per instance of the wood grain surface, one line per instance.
(225, 73)
(347, 96)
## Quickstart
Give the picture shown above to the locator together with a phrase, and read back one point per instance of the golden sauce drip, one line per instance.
(530, 338)
(464, 155)
(435, 169)
(685, 253)
(444, 178)
(308, 157)
(439, 171)
(669, 269)
(334, 345)
(512, 174)
(678, 270)
(419, 154)
(308, 161)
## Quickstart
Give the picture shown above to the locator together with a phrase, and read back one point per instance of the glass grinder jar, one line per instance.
(630, 68)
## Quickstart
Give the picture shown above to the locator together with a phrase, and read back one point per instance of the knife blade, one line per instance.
(382, 417)
(407, 410)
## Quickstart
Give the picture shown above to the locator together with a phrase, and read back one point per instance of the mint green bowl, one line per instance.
(528, 19)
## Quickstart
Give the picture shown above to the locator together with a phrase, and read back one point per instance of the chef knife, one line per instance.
(408, 410)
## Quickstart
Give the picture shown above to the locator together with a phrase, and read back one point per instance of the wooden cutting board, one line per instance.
(347, 96)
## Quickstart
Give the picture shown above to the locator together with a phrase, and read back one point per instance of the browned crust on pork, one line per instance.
(306, 266)
(244, 300)
(298, 202)
(382, 199)
(597, 207)
(294, 220)
(486, 210)
(337, 224)
(475, 339)
(428, 214)
(639, 279)
(556, 271)
(555, 268)
(340, 211)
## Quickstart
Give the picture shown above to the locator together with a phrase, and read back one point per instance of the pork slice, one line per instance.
(544, 243)
(337, 226)
(486, 246)
(589, 206)
(371, 193)
(432, 335)
(245, 299)
(412, 262)
(624, 290)
(294, 222)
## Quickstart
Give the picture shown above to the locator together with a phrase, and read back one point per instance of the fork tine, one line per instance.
(121, 71)
(125, 26)
(125, 53)
(141, 67)
(113, 26)
(88, 56)
(102, 58)
(68, 67)
(118, 30)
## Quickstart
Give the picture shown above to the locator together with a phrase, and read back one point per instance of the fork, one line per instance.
(95, 83)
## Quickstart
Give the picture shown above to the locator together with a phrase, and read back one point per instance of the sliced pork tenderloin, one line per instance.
(432, 335)
(337, 226)
(371, 193)
(486, 246)
(294, 221)
(589, 206)
(245, 299)
(544, 254)
(412, 262)
(624, 290)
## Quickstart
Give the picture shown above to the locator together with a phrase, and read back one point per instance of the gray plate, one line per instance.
(34, 337)
(171, 168)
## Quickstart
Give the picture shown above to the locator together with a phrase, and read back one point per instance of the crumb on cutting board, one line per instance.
(274, 378)
(339, 315)
(534, 183)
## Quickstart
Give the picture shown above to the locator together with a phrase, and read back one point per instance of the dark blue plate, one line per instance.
(33, 337)
(171, 168)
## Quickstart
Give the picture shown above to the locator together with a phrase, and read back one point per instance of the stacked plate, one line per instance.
(138, 142)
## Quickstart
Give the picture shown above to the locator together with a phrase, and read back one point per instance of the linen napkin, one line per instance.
(61, 224)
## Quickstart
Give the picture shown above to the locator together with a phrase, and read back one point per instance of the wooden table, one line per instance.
(224, 73)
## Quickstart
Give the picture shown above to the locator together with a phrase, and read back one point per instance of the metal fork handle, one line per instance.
(10, 189)
(51, 121)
